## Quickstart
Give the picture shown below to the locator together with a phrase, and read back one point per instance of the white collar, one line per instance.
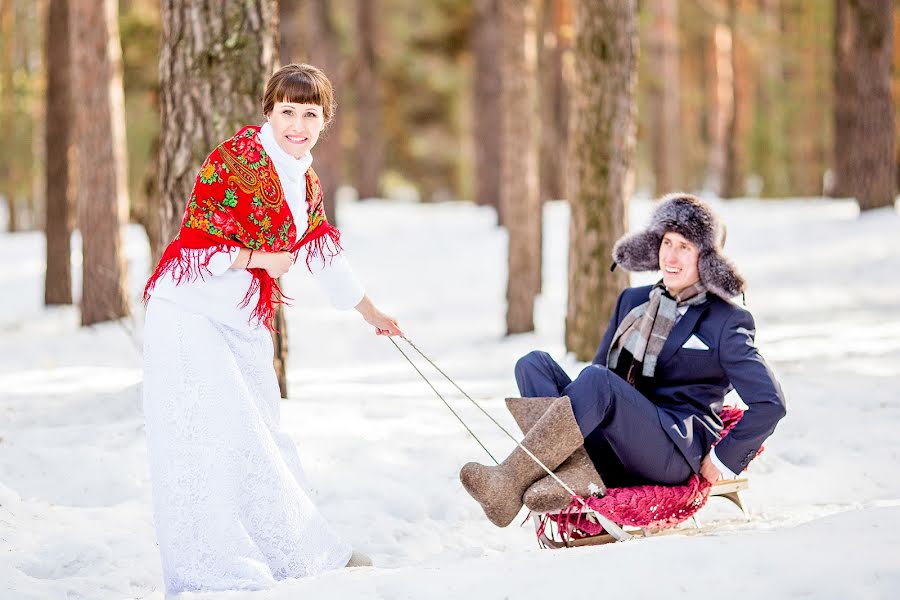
(286, 165)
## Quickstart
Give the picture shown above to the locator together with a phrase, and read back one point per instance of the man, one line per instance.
(647, 409)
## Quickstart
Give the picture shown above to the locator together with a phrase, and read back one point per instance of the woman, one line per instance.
(230, 498)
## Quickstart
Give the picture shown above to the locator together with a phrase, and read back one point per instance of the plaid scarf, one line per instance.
(644, 330)
(238, 202)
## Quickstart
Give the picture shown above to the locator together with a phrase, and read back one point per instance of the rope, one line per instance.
(576, 497)
(455, 414)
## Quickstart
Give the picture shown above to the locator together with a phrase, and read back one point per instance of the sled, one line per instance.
(641, 511)
(596, 528)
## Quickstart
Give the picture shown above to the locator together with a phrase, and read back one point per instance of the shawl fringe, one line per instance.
(324, 243)
(188, 264)
(270, 296)
(183, 266)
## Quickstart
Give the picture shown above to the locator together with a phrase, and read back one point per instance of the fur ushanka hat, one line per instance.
(689, 216)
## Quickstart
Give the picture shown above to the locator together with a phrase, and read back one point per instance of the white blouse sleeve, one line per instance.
(336, 278)
(219, 262)
(222, 261)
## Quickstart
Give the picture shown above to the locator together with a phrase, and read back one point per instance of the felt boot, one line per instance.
(578, 471)
(499, 489)
(527, 411)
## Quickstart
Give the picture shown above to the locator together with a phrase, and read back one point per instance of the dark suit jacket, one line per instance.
(690, 384)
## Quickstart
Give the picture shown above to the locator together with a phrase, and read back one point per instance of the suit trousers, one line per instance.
(621, 427)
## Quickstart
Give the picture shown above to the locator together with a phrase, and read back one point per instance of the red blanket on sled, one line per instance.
(651, 506)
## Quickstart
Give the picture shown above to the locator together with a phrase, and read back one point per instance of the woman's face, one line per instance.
(678, 261)
(296, 126)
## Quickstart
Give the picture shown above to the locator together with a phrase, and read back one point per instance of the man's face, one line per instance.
(678, 260)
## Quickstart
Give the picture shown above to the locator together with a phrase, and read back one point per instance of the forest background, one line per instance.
(491, 101)
(558, 120)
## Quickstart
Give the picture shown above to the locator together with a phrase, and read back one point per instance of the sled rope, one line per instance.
(576, 498)
(447, 404)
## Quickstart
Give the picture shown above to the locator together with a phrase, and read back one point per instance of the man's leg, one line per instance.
(602, 401)
(607, 462)
(539, 376)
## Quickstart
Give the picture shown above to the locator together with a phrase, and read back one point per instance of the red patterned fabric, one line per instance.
(646, 506)
(238, 201)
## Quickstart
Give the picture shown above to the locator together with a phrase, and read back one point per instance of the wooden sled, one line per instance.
(549, 535)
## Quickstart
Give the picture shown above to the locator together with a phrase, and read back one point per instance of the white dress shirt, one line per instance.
(218, 295)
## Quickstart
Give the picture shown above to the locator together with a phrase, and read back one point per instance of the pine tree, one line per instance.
(602, 143)
(865, 166)
(60, 208)
(100, 142)
(519, 199)
(486, 105)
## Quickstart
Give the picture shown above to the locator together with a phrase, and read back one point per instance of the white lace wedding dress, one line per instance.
(229, 494)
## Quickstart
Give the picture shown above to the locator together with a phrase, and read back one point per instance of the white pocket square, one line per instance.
(694, 343)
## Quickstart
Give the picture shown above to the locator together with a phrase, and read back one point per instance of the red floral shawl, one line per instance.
(238, 202)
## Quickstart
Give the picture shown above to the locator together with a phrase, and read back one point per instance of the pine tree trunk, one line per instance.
(663, 90)
(769, 140)
(721, 88)
(7, 108)
(486, 107)
(323, 50)
(291, 20)
(554, 98)
(863, 112)
(519, 197)
(369, 151)
(896, 91)
(695, 108)
(280, 347)
(731, 184)
(59, 221)
(100, 142)
(215, 58)
(38, 109)
(602, 139)
(808, 109)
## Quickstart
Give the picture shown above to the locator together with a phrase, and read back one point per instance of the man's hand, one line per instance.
(708, 470)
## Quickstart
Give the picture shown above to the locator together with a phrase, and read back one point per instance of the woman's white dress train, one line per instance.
(231, 505)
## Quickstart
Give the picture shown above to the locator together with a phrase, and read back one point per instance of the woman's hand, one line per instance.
(383, 324)
(275, 264)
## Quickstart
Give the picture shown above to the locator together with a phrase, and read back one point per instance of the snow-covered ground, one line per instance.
(384, 453)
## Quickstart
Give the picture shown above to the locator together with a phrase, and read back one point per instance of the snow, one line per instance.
(384, 452)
